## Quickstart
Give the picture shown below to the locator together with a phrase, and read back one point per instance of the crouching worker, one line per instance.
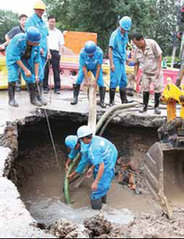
(74, 145)
(101, 154)
(91, 59)
(23, 53)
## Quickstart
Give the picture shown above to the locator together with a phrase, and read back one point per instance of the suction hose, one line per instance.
(99, 125)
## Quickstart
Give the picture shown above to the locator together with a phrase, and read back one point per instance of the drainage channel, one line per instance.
(40, 182)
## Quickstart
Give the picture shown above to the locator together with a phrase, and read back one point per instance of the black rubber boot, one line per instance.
(104, 199)
(96, 204)
(76, 89)
(157, 101)
(39, 91)
(145, 102)
(11, 94)
(122, 92)
(102, 96)
(33, 94)
(112, 92)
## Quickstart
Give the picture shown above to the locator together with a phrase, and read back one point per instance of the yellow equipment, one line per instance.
(40, 5)
(171, 95)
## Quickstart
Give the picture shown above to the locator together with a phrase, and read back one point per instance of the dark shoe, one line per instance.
(112, 92)
(145, 102)
(11, 94)
(39, 91)
(45, 91)
(104, 199)
(102, 96)
(157, 102)
(33, 94)
(122, 92)
(96, 204)
(76, 89)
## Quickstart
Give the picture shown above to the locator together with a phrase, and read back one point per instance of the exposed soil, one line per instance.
(40, 181)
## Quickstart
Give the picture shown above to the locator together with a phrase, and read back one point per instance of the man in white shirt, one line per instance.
(55, 42)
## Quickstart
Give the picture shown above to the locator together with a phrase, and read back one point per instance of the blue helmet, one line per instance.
(125, 23)
(83, 131)
(71, 141)
(90, 47)
(33, 35)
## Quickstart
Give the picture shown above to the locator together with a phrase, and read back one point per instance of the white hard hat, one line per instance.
(84, 131)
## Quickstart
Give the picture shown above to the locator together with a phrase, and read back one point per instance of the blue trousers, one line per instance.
(13, 73)
(80, 77)
(118, 77)
(106, 179)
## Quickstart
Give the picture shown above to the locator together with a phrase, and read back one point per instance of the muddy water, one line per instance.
(174, 177)
(40, 182)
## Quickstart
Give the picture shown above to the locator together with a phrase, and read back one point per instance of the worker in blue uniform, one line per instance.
(91, 59)
(101, 154)
(74, 146)
(37, 21)
(23, 53)
(117, 56)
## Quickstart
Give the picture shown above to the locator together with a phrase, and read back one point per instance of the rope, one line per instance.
(48, 122)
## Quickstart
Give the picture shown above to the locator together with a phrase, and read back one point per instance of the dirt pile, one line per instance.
(98, 225)
(64, 228)
(144, 226)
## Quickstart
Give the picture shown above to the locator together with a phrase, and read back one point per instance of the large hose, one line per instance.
(99, 125)
(112, 110)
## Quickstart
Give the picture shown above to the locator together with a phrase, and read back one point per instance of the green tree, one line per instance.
(8, 20)
(153, 18)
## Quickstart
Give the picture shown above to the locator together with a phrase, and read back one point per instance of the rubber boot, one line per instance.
(76, 89)
(33, 94)
(39, 91)
(157, 101)
(102, 96)
(11, 93)
(96, 204)
(104, 199)
(122, 92)
(145, 102)
(112, 92)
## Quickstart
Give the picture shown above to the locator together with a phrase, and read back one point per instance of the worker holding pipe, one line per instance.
(74, 146)
(117, 56)
(91, 59)
(101, 154)
(23, 53)
(37, 21)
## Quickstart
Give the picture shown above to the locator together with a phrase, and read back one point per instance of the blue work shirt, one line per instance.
(119, 42)
(16, 49)
(100, 150)
(91, 63)
(83, 161)
(35, 21)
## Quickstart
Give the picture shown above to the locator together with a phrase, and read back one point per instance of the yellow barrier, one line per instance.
(67, 59)
(3, 74)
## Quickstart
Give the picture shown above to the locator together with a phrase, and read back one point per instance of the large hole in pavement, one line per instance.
(40, 182)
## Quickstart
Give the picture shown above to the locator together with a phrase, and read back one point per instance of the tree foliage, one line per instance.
(153, 18)
(8, 20)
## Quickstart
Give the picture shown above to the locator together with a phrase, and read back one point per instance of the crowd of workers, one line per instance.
(32, 46)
